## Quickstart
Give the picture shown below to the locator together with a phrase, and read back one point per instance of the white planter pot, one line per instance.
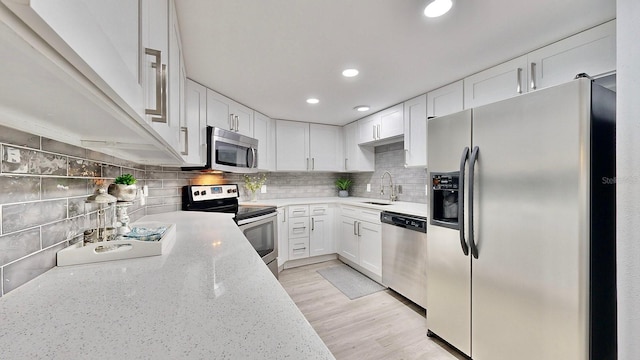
(124, 192)
(343, 193)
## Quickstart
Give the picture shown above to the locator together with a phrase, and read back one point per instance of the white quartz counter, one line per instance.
(403, 207)
(210, 297)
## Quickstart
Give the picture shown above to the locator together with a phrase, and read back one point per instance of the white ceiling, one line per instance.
(271, 55)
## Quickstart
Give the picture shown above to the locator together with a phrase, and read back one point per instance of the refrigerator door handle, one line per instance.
(463, 162)
(472, 170)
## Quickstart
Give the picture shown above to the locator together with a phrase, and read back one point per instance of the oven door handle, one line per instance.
(256, 219)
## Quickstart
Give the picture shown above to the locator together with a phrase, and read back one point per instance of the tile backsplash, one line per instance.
(44, 184)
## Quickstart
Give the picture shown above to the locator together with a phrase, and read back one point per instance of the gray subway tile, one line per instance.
(21, 216)
(20, 138)
(63, 187)
(161, 209)
(160, 175)
(61, 231)
(98, 156)
(63, 148)
(29, 268)
(175, 183)
(25, 161)
(110, 171)
(163, 192)
(154, 184)
(84, 168)
(19, 189)
(17, 245)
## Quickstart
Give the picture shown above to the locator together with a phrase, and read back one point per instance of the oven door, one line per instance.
(262, 233)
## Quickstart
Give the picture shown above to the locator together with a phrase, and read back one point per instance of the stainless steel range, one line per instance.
(257, 222)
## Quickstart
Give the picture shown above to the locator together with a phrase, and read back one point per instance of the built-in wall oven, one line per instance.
(258, 223)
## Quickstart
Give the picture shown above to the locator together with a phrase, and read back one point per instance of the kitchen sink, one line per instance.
(375, 203)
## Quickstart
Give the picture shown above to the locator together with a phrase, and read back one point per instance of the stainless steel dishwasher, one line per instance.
(404, 255)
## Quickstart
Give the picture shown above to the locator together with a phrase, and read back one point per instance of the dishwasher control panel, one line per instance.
(409, 222)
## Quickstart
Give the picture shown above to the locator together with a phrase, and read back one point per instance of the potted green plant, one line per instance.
(124, 188)
(343, 184)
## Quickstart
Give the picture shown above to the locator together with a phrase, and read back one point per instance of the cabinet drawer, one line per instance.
(298, 211)
(372, 216)
(350, 211)
(298, 227)
(319, 209)
(298, 248)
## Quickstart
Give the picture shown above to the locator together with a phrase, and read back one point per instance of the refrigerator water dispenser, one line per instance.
(444, 203)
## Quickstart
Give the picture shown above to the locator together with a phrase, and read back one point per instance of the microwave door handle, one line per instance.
(472, 166)
(254, 151)
(463, 162)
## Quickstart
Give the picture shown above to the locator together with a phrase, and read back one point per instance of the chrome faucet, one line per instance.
(392, 196)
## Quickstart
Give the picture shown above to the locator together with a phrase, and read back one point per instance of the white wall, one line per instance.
(628, 176)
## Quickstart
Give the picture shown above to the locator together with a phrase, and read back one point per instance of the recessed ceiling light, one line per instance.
(437, 8)
(350, 72)
(312, 101)
(362, 108)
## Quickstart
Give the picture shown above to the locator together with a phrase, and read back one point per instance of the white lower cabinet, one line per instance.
(360, 242)
(298, 232)
(310, 231)
(283, 237)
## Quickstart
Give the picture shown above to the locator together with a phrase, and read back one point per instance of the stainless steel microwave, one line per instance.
(231, 152)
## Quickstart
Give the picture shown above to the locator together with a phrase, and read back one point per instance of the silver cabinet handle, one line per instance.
(355, 232)
(307, 163)
(313, 224)
(231, 122)
(236, 119)
(406, 152)
(313, 163)
(299, 249)
(185, 131)
(359, 227)
(159, 113)
(378, 132)
(298, 211)
(533, 76)
(519, 81)
(284, 216)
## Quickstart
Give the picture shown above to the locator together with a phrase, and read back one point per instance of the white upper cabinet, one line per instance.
(308, 147)
(357, 158)
(100, 39)
(227, 114)
(592, 52)
(384, 126)
(325, 147)
(292, 146)
(446, 100)
(262, 131)
(415, 132)
(196, 123)
(497, 83)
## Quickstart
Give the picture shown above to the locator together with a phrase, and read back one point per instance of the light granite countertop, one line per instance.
(209, 297)
(402, 207)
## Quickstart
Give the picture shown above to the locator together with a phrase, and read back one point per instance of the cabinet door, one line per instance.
(292, 146)
(218, 111)
(368, 128)
(348, 242)
(283, 237)
(196, 121)
(261, 131)
(175, 87)
(391, 122)
(497, 83)
(415, 132)
(592, 52)
(446, 100)
(371, 247)
(357, 158)
(299, 227)
(321, 236)
(243, 119)
(325, 147)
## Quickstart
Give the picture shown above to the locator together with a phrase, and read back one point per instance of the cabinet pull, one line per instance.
(298, 211)
(358, 227)
(533, 76)
(185, 131)
(374, 132)
(307, 163)
(300, 228)
(355, 232)
(231, 122)
(313, 224)
(406, 152)
(284, 216)
(159, 113)
(236, 119)
(313, 163)
(298, 249)
(378, 127)
(519, 81)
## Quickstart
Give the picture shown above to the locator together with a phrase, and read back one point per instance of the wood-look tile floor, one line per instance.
(383, 325)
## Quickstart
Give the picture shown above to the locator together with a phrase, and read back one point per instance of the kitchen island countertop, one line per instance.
(209, 297)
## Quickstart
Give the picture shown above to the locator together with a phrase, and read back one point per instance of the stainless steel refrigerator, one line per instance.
(521, 239)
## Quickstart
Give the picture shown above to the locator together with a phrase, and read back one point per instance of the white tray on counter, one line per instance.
(118, 249)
